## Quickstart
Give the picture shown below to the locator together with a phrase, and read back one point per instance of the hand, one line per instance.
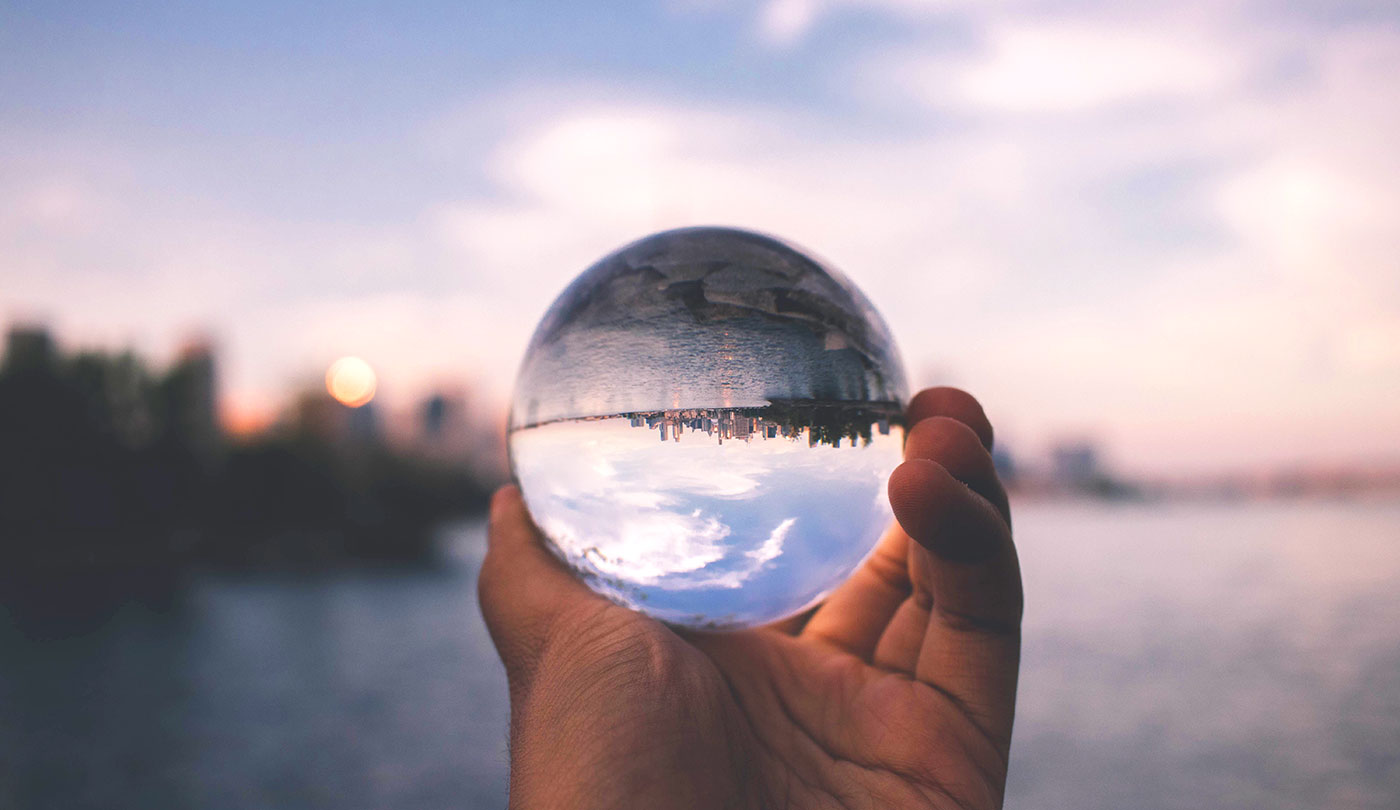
(898, 691)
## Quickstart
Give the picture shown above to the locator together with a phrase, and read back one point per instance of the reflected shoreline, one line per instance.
(818, 421)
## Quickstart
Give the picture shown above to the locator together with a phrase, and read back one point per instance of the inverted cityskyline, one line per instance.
(808, 422)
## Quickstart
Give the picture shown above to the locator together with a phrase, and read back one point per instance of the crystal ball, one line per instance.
(703, 426)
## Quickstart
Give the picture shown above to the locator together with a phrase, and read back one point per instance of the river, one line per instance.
(1176, 656)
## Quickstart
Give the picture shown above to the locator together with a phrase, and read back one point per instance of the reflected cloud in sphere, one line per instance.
(702, 533)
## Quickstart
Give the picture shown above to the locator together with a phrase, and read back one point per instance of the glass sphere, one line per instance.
(704, 424)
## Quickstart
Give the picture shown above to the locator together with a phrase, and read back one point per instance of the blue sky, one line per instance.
(1175, 229)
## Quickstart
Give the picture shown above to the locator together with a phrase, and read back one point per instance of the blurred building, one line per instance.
(29, 348)
(315, 413)
(434, 415)
(1075, 464)
(1006, 467)
(451, 427)
(191, 400)
(442, 429)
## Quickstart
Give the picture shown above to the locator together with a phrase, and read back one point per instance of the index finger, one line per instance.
(857, 614)
(967, 564)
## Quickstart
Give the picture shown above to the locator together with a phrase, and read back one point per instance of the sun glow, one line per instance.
(351, 381)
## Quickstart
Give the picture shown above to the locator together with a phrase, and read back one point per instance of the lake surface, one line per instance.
(1176, 656)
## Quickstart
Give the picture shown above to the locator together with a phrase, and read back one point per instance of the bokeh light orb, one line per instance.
(351, 381)
(703, 426)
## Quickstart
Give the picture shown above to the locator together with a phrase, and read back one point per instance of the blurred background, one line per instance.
(266, 272)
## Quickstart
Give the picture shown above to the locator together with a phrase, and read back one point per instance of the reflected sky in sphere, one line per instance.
(703, 425)
(702, 532)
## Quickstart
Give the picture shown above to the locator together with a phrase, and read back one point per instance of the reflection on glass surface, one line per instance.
(703, 426)
(709, 518)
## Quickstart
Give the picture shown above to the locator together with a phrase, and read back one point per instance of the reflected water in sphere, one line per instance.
(704, 424)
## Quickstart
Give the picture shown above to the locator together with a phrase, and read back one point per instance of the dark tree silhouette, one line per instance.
(115, 481)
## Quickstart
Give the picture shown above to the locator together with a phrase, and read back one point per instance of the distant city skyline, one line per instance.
(1172, 229)
(449, 426)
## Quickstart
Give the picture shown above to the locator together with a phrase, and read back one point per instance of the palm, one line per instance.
(897, 692)
(828, 729)
(790, 720)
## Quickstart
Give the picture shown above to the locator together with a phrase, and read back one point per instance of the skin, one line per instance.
(898, 691)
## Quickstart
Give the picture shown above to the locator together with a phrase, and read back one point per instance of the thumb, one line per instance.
(524, 590)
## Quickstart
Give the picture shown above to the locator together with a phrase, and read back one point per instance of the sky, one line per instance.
(698, 530)
(1175, 230)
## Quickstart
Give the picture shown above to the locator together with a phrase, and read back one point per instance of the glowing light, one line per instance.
(242, 418)
(351, 381)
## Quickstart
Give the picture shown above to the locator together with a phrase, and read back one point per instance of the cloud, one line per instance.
(1102, 220)
(648, 548)
(1064, 67)
(684, 516)
(783, 22)
(771, 548)
(581, 181)
(1118, 269)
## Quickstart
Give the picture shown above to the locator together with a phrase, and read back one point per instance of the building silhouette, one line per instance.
(825, 423)
(191, 402)
(29, 349)
(1075, 463)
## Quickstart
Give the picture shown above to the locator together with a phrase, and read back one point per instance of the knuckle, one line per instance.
(980, 625)
(956, 404)
(889, 571)
(950, 436)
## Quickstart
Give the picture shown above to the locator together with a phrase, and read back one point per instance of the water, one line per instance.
(347, 690)
(1227, 655)
(698, 331)
(711, 518)
(676, 363)
(1244, 657)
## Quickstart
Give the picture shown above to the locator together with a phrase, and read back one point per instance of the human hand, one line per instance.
(898, 691)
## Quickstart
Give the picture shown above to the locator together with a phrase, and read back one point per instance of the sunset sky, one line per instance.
(1174, 229)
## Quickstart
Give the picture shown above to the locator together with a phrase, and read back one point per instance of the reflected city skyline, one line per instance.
(816, 422)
